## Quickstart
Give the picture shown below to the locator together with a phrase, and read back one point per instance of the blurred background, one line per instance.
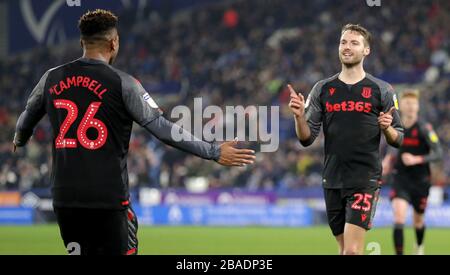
(227, 53)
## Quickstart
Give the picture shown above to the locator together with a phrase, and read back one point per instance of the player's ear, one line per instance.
(366, 51)
(114, 43)
(81, 43)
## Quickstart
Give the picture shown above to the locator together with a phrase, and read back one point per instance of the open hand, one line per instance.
(231, 156)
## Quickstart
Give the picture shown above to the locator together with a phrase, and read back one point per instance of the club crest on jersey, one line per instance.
(150, 100)
(366, 92)
(332, 90)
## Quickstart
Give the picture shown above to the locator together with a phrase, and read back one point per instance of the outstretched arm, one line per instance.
(34, 111)
(144, 110)
(224, 154)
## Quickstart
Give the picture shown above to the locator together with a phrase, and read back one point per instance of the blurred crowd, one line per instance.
(241, 53)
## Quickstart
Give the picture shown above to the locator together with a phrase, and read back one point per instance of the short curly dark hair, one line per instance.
(97, 23)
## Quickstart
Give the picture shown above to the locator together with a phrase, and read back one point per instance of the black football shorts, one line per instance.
(350, 205)
(98, 231)
(413, 191)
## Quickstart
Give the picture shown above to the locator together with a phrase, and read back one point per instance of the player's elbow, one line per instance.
(21, 138)
(24, 130)
(395, 143)
(306, 142)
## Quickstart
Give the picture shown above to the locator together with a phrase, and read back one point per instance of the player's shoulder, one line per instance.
(61, 69)
(424, 125)
(321, 83)
(63, 66)
(51, 71)
(56, 69)
(119, 72)
(126, 79)
(327, 80)
(384, 86)
(426, 129)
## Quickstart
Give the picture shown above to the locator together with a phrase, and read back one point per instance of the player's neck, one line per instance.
(97, 55)
(409, 121)
(352, 75)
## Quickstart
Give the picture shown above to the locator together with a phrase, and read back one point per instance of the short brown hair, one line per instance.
(359, 29)
(97, 24)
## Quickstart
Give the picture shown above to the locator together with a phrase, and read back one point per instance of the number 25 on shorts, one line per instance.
(365, 199)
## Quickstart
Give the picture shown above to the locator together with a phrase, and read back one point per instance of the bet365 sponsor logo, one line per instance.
(349, 106)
